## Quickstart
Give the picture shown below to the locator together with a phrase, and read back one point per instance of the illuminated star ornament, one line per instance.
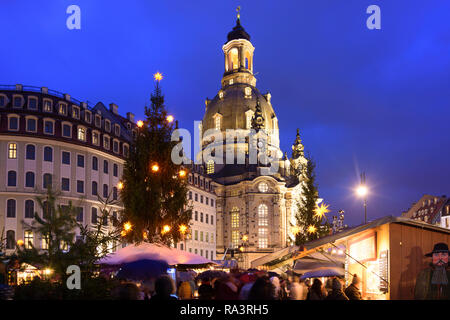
(321, 210)
(158, 76)
(311, 229)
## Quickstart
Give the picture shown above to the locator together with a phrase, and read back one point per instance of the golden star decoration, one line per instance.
(321, 210)
(312, 229)
(158, 76)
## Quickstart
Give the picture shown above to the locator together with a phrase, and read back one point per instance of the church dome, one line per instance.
(238, 32)
(233, 104)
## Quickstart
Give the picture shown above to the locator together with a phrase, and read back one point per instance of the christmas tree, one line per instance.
(311, 220)
(154, 188)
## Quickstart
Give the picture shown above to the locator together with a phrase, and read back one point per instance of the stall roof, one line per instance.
(295, 252)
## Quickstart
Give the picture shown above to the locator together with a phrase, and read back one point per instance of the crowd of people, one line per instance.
(251, 286)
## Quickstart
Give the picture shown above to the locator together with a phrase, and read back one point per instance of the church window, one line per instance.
(217, 122)
(235, 217)
(248, 92)
(210, 167)
(234, 57)
(263, 217)
(235, 238)
(263, 238)
(220, 94)
(231, 82)
(263, 187)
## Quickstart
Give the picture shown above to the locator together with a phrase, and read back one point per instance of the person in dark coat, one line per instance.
(205, 291)
(315, 291)
(164, 288)
(352, 291)
(336, 292)
(262, 289)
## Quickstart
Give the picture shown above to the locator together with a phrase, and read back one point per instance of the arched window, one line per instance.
(234, 58)
(29, 179)
(31, 152)
(29, 209)
(48, 154)
(235, 217)
(28, 237)
(47, 180)
(46, 210)
(94, 188)
(10, 239)
(12, 151)
(105, 191)
(263, 215)
(210, 167)
(11, 208)
(94, 163)
(12, 178)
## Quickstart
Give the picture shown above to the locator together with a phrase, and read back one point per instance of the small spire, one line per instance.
(297, 147)
(258, 119)
(238, 10)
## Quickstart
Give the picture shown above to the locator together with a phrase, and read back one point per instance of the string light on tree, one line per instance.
(127, 226)
(182, 173)
(312, 229)
(165, 229)
(169, 118)
(183, 228)
(140, 123)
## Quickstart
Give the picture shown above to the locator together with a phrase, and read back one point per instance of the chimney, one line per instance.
(19, 87)
(44, 90)
(84, 105)
(130, 117)
(67, 96)
(114, 108)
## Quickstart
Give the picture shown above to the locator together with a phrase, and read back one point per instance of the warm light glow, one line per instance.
(48, 271)
(169, 119)
(182, 173)
(140, 123)
(183, 229)
(127, 226)
(165, 229)
(123, 233)
(244, 237)
(20, 242)
(321, 210)
(312, 229)
(155, 168)
(241, 249)
(120, 185)
(362, 191)
(144, 235)
(158, 76)
(295, 230)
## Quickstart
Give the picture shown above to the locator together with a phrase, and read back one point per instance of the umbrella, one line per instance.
(142, 269)
(186, 275)
(323, 272)
(273, 274)
(210, 274)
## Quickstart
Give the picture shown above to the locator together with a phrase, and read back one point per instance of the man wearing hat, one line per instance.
(433, 282)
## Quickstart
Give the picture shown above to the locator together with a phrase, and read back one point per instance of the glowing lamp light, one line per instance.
(182, 229)
(362, 191)
(241, 249)
(48, 271)
(20, 242)
(244, 237)
(169, 119)
(123, 233)
(144, 235)
(120, 185)
(127, 226)
(155, 168)
(295, 230)
(140, 123)
(321, 210)
(165, 229)
(312, 229)
(182, 173)
(158, 76)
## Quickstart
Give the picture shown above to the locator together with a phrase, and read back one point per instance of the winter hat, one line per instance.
(356, 279)
(337, 285)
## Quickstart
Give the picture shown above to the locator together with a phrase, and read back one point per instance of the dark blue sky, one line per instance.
(372, 100)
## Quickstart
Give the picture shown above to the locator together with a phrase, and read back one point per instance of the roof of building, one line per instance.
(238, 32)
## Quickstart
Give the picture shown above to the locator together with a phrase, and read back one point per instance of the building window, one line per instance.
(79, 214)
(115, 170)
(196, 235)
(105, 166)
(10, 239)
(3, 99)
(81, 133)
(47, 106)
(46, 210)
(63, 108)
(217, 122)
(207, 237)
(44, 243)
(94, 215)
(31, 125)
(17, 102)
(116, 146)
(201, 236)
(210, 167)
(190, 195)
(94, 163)
(235, 239)
(80, 161)
(30, 152)
(235, 217)
(263, 187)
(125, 150)
(12, 178)
(87, 116)
(65, 184)
(207, 218)
(105, 191)
(12, 151)
(114, 193)
(28, 236)
(47, 180)
(94, 188)
(32, 103)
(29, 179)
(48, 154)
(13, 123)
(98, 120)
(65, 158)
(201, 199)
(29, 209)
(212, 202)
(263, 238)
(106, 142)
(201, 216)
(48, 127)
(95, 138)
(67, 130)
(107, 125)
(263, 216)
(248, 92)
(75, 112)
(11, 208)
(117, 130)
(196, 216)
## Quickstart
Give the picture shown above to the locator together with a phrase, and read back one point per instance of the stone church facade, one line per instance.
(256, 208)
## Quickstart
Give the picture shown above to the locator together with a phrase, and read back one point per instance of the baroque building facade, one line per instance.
(48, 139)
(256, 205)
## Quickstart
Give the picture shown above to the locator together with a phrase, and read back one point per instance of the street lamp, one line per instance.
(362, 192)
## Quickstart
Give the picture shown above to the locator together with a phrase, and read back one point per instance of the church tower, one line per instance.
(255, 210)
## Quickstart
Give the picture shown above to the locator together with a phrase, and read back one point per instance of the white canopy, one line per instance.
(151, 251)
